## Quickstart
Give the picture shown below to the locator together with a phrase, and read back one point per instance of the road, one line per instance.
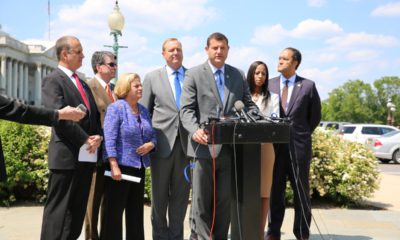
(389, 168)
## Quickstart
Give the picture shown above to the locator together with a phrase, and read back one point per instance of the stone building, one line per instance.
(23, 66)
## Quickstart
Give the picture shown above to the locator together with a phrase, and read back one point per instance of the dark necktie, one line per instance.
(109, 93)
(177, 84)
(81, 91)
(220, 84)
(285, 95)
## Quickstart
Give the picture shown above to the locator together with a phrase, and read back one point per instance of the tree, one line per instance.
(387, 87)
(355, 101)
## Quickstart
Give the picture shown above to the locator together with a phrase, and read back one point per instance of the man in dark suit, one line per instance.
(104, 68)
(207, 88)
(170, 191)
(12, 110)
(300, 102)
(72, 148)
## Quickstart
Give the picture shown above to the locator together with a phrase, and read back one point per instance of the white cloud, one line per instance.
(266, 35)
(143, 19)
(362, 55)
(316, 3)
(362, 39)
(307, 29)
(315, 29)
(321, 76)
(387, 10)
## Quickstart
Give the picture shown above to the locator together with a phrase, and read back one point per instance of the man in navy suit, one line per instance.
(300, 103)
(70, 172)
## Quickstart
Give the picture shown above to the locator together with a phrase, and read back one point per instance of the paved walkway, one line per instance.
(23, 223)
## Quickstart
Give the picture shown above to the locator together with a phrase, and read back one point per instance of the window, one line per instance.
(386, 130)
(371, 130)
(348, 130)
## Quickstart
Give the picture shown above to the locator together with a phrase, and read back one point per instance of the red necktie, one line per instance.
(81, 91)
(285, 95)
(108, 90)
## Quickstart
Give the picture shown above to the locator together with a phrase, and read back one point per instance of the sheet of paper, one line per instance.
(125, 177)
(86, 156)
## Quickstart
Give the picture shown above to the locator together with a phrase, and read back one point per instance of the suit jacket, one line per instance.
(200, 100)
(159, 99)
(101, 97)
(304, 111)
(59, 91)
(14, 111)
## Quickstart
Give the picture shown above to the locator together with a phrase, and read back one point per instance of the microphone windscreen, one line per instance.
(239, 105)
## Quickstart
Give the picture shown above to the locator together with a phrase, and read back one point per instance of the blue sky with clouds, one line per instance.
(339, 39)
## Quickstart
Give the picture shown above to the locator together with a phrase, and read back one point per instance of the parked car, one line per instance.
(332, 125)
(360, 132)
(386, 147)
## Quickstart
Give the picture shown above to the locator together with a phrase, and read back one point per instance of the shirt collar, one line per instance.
(214, 69)
(171, 71)
(291, 79)
(67, 71)
(101, 81)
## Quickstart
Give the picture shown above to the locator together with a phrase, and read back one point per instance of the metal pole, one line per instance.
(115, 48)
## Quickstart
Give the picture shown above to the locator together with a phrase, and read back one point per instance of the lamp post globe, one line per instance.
(116, 22)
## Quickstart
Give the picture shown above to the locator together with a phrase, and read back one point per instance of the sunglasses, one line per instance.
(111, 64)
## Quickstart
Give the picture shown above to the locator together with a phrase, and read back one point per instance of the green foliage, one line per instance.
(359, 102)
(25, 153)
(147, 186)
(340, 170)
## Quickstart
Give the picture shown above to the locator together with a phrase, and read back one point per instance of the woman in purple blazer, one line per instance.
(129, 138)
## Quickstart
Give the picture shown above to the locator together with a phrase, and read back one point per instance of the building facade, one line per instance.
(22, 68)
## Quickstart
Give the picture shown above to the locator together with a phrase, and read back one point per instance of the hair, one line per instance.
(98, 58)
(296, 55)
(123, 85)
(217, 36)
(250, 79)
(167, 41)
(63, 43)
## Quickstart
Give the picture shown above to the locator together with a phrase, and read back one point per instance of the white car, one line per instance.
(386, 147)
(360, 132)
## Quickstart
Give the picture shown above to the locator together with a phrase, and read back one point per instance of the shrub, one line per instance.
(341, 170)
(25, 153)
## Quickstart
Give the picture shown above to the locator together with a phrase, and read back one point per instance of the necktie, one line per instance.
(177, 84)
(81, 91)
(109, 93)
(220, 84)
(285, 95)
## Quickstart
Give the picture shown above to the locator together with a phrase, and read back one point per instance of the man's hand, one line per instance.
(70, 113)
(145, 148)
(93, 143)
(200, 136)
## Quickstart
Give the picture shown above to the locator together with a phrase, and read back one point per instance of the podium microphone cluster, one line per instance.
(238, 108)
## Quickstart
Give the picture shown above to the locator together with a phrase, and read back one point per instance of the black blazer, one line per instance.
(67, 137)
(304, 111)
(14, 111)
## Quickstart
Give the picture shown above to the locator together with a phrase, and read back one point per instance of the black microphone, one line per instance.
(239, 106)
(255, 115)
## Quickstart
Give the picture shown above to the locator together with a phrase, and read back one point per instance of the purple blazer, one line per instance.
(124, 133)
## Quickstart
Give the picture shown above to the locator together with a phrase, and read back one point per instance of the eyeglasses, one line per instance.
(111, 64)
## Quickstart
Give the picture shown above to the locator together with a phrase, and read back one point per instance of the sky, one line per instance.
(340, 40)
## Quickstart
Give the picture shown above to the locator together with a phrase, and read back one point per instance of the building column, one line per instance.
(26, 83)
(3, 77)
(14, 93)
(38, 84)
(20, 84)
(9, 78)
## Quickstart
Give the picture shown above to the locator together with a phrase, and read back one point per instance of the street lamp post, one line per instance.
(116, 23)
(391, 109)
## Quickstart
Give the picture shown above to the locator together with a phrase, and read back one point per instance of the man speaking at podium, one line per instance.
(209, 88)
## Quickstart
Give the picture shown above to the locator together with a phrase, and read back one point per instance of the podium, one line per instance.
(246, 200)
